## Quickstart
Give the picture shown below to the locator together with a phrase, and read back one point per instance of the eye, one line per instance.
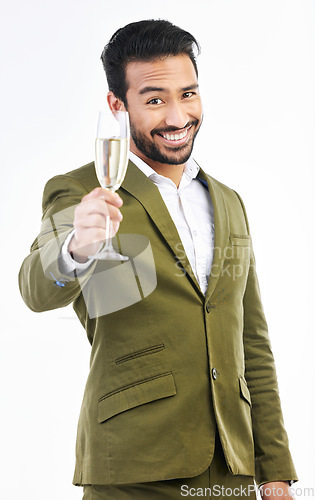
(186, 95)
(155, 101)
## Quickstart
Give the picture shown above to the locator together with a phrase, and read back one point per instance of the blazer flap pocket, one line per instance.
(139, 393)
(245, 391)
(240, 240)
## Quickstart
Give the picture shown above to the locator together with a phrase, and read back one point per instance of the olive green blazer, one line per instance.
(168, 365)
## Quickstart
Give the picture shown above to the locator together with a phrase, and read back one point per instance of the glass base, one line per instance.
(110, 254)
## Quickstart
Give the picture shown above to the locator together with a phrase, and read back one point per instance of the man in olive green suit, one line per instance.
(182, 397)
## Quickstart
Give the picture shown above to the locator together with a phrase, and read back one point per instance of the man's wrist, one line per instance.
(73, 251)
(69, 260)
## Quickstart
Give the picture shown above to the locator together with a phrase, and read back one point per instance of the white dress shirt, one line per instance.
(191, 210)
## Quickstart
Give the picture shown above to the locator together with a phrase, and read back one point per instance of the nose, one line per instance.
(176, 116)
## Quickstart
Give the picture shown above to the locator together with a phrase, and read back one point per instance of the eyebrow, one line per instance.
(149, 89)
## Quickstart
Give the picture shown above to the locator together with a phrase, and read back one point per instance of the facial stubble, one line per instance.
(153, 152)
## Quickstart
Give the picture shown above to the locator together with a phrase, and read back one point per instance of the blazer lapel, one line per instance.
(145, 191)
(221, 231)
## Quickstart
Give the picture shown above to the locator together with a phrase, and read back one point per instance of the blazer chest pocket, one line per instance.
(136, 394)
(238, 255)
(240, 246)
(239, 240)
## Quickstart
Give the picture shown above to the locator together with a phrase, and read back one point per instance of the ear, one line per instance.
(114, 103)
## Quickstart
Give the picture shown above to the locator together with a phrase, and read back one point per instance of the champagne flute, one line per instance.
(111, 161)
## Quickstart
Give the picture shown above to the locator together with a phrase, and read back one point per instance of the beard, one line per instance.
(177, 156)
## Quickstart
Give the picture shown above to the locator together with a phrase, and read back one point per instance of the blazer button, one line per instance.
(208, 307)
(214, 373)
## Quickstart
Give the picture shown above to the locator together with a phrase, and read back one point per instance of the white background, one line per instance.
(257, 77)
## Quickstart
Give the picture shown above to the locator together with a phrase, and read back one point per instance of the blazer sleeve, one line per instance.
(43, 284)
(273, 460)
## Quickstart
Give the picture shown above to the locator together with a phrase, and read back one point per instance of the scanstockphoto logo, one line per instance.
(108, 286)
(220, 491)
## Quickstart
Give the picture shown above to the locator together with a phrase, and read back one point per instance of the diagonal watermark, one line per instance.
(111, 285)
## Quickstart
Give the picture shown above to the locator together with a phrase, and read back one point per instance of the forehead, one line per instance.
(170, 72)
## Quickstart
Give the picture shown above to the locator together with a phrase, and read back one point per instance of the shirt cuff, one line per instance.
(68, 263)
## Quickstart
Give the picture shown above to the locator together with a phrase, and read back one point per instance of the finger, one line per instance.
(98, 206)
(93, 212)
(105, 194)
(92, 221)
(89, 236)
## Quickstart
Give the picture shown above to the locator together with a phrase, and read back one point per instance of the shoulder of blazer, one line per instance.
(67, 189)
(85, 175)
(226, 191)
(232, 198)
(233, 203)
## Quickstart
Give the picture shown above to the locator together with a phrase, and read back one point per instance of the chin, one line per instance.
(179, 159)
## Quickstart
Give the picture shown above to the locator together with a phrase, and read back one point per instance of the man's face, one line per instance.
(164, 109)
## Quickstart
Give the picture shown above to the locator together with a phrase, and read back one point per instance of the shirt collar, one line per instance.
(191, 168)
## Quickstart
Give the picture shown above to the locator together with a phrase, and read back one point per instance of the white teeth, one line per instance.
(175, 137)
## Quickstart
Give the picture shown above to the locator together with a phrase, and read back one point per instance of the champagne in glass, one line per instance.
(111, 161)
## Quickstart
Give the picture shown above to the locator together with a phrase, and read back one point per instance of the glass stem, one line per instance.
(108, 242)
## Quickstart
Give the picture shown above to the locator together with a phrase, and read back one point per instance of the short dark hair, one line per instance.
(144, 41)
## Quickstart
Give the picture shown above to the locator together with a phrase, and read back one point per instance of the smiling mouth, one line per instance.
(178, 138)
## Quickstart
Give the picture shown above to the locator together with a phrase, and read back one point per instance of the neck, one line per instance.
(173, 172)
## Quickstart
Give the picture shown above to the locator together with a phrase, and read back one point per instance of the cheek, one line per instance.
(144, 120)
(196, 110)
(144, 125)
